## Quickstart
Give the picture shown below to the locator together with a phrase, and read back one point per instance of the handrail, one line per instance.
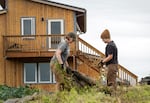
(31, 42)
(87, 48)
(33, 35)
(123, 73)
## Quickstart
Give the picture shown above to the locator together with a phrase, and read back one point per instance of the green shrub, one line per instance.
(12, 92)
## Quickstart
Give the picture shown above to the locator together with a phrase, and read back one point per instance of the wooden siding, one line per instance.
(13, 73)
(2, 32)
(12, 69)
(26, 8)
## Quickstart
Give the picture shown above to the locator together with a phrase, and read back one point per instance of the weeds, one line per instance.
(137, 94)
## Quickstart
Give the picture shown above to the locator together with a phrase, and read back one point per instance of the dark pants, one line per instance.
(112, 75)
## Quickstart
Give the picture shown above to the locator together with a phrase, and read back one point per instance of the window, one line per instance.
(38, 73)
(30, 72)
(28, 26)
(45, 74)
(55, 26)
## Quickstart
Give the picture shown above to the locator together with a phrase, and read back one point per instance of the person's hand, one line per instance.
(100, 64)
(62, 66)
(68, 70)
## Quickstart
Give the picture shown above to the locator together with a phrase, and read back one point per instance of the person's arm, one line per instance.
(108, 58)
(67, 65)
(58, 56)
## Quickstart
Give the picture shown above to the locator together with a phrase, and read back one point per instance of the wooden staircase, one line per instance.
(91, 60)
(91, 57)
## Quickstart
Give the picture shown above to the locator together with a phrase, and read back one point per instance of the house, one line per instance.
(29, 33)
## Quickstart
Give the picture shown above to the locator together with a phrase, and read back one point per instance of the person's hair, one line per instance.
(71, 35)
(105, 34)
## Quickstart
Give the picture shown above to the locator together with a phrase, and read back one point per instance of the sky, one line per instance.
(129, 24)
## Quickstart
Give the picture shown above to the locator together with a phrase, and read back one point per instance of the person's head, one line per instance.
(71, 37)
(105, 36)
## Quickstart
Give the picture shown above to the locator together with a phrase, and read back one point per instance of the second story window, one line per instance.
(55, 27)
(28, 26)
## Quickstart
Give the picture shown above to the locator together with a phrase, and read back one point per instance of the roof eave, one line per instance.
(60, 5)
(81, 20)
(3, 11)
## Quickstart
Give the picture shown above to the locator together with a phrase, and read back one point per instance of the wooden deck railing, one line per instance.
(31, 43)
(85, 47)
(123, 73)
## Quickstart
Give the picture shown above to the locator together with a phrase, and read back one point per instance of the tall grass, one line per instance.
(138, 94)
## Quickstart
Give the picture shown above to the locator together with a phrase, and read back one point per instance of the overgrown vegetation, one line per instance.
(12, 92)
(137, 94)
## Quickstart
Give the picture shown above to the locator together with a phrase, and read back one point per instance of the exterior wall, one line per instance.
(2, 32)
(13, 73)
(46, 87)
(12, 70)
(26, 8)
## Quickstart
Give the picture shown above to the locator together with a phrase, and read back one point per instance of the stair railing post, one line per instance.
(76, 50)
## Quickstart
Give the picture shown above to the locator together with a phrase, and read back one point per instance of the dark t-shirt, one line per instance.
(111, 48)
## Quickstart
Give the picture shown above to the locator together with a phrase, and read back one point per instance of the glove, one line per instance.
(62, 66)
(68, 70)
(100, 64)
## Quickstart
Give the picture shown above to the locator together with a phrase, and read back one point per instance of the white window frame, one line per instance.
(25, 81)
(32, 25)
(37, 75)
(39, 79)
(49, 28)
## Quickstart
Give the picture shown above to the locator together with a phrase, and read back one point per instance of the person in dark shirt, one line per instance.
(111, 59)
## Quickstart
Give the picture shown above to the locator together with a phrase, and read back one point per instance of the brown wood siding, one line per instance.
(24, 8)
(13, 73)
(12, 70)
(46, 87)
(2, 32)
